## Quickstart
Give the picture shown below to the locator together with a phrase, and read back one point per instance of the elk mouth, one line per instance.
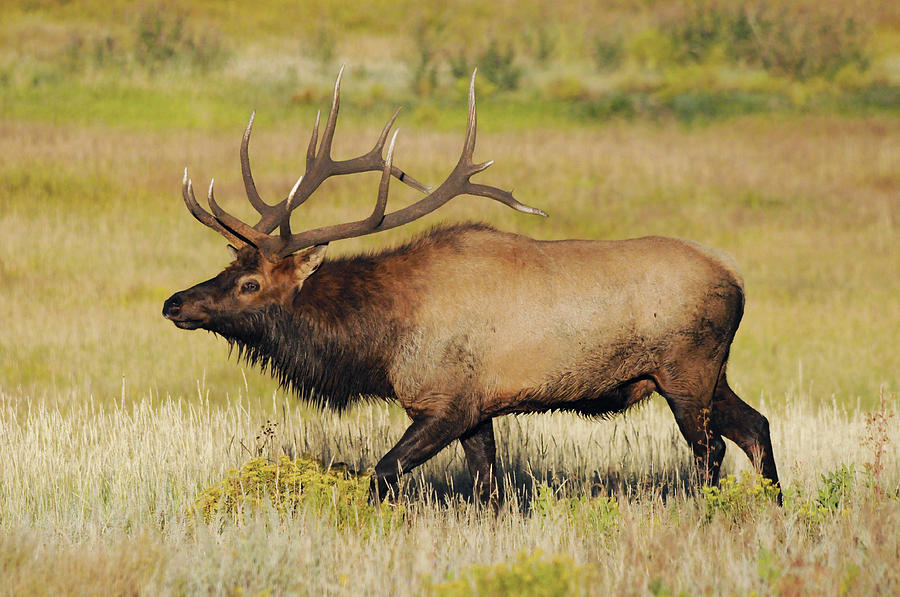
(187, 324)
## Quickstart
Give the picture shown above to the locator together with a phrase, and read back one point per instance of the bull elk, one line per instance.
(467, 323)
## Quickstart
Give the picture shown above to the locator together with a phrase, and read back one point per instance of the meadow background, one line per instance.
(767, 129)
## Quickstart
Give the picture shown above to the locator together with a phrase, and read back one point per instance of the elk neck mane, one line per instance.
(334, 343)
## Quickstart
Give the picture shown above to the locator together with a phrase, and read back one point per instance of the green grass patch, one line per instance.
(739, 498)
(591, 514)
(333, 494)
(529, 575)
(196, 65)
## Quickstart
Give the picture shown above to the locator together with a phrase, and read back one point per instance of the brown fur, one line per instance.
(467, 323)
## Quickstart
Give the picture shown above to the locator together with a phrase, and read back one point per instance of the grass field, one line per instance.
(96, 500)
(621, 123)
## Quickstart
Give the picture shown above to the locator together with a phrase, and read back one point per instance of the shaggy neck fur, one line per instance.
(336, 340)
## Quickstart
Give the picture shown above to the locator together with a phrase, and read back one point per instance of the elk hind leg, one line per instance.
(745, 426)
(691, 404)
(478, 444)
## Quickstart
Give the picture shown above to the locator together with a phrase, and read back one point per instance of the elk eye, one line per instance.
(249, 286)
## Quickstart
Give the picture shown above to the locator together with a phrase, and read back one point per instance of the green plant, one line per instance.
(426, 32)
(834, 491)
(608, 53)
(797, 40)
(593, 514)
(651, 48)
(498, 66)
(529, 575)
(545, 41)
(611, 105)
(566, 88)
(324, 45)
(659, 588)
(599, 514)
(738, 498)
(876, 439)
(333, 493)
(162, 37)
(460, 66)
(836, 488)
(767, 566)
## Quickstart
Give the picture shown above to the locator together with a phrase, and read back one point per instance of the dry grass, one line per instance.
(94, 501)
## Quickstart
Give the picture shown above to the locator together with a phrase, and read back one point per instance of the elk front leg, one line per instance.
(430, 432)
(478, 444)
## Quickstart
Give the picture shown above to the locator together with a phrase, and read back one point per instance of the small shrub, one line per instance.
(739, 499)
(877, 98)
(708, 105)
(460, 66)
(836, 488)
(832, 496)
(529, 575)
(611, 105)
(599, 514)
(608, 53)
(544, 501)
(424, 63)
(876, 439)
(498, 66)
(163, 38)
(334, 493)
(799, 41)
(652, 48)
(324, 46)
(545, 40)
(567, 89)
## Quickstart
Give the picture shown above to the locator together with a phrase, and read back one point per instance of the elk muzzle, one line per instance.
(175, 311)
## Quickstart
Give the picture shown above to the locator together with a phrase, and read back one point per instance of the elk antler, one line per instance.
(320, 166)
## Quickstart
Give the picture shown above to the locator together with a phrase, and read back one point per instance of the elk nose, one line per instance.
(172, 306)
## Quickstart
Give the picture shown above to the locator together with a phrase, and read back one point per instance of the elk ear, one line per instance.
(232, 251)
(308, 261)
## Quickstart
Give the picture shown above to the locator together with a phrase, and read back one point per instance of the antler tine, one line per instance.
(313, 140)
(234, 225)
(320, 166)
(372, 161)
(377, 216)
(382, 138)
(331, 123)
(264, 209)
(457, 183)
(250, 186)
(285, 229)
(471, 121)
(395, 171)
(203, 216)
(504, 197)
(290, 243)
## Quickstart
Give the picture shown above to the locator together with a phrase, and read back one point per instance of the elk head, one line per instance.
(269, 268)
(250, 283)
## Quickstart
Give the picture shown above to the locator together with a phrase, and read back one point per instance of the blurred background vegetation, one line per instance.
(196, 62)
(768, 129)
